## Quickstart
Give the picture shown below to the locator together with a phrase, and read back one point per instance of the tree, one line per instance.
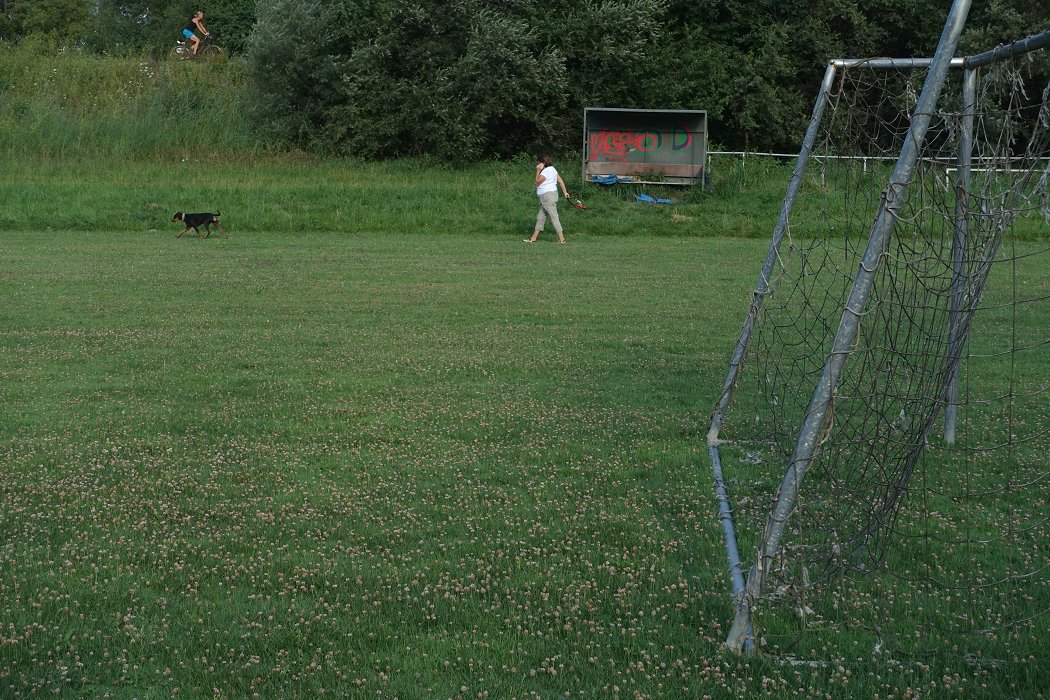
(452, 78)
(64, 22)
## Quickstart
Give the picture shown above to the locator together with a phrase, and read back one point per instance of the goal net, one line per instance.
(881, 449)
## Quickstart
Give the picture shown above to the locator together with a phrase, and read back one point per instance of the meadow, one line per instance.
(371, 445)
(375, 463)
(405, 464)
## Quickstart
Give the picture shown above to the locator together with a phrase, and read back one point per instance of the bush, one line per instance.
(453, 79)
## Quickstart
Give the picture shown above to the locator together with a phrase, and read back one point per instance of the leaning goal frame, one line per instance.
(746, 589)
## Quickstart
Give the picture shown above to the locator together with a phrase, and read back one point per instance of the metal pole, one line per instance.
(725, 516)
(583, 165)
(815, 424)
(762, 287)
(725, 513)
(1016, 48)
(962, 194)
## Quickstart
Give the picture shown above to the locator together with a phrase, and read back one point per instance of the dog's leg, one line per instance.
(179, 234)
(207, 229)
(197, 231)
(221, 229)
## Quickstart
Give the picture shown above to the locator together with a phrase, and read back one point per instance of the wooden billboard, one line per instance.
(648, 146)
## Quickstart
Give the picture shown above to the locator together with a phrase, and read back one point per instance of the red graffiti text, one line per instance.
(617, 145)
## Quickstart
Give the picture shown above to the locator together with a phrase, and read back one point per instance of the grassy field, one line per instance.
(403, 464)
(372, 445)
(300, 193)
(379, 465)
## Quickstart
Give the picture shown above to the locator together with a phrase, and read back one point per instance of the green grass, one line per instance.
(380, 454)
(300, 193)
(373, 444)
(382, 464)
(122, 107)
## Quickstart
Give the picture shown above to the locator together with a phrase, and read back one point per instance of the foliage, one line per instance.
(297, 60)
(64, 21)
(460, 80)
(453, 79)
(378, 79)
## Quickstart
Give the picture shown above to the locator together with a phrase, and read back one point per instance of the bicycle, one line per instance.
(207, 51)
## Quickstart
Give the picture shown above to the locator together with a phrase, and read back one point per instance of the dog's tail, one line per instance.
(218, 214)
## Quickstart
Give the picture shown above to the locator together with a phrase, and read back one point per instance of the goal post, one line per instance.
(883, 364)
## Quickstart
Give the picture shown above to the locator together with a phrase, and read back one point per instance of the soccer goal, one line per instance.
(881, 447)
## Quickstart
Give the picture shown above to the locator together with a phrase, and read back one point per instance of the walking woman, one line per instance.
(548, 181)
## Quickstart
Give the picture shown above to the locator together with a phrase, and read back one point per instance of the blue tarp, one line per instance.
(653, 200)
(610, 179)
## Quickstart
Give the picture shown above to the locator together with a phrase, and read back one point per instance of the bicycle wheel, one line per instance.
(178, 51)
(212, 53)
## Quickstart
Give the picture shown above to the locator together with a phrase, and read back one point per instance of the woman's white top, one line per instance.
(551, 183)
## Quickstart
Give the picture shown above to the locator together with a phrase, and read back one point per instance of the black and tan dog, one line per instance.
(193, 221)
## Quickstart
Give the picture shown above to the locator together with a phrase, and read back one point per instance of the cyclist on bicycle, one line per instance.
(196, 23)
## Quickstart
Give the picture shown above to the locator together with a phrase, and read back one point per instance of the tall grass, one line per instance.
(300, 192)
(74, 105)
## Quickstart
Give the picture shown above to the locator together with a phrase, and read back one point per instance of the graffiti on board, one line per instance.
(608, 144)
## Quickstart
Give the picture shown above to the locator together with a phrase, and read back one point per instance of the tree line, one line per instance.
(468, 79)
